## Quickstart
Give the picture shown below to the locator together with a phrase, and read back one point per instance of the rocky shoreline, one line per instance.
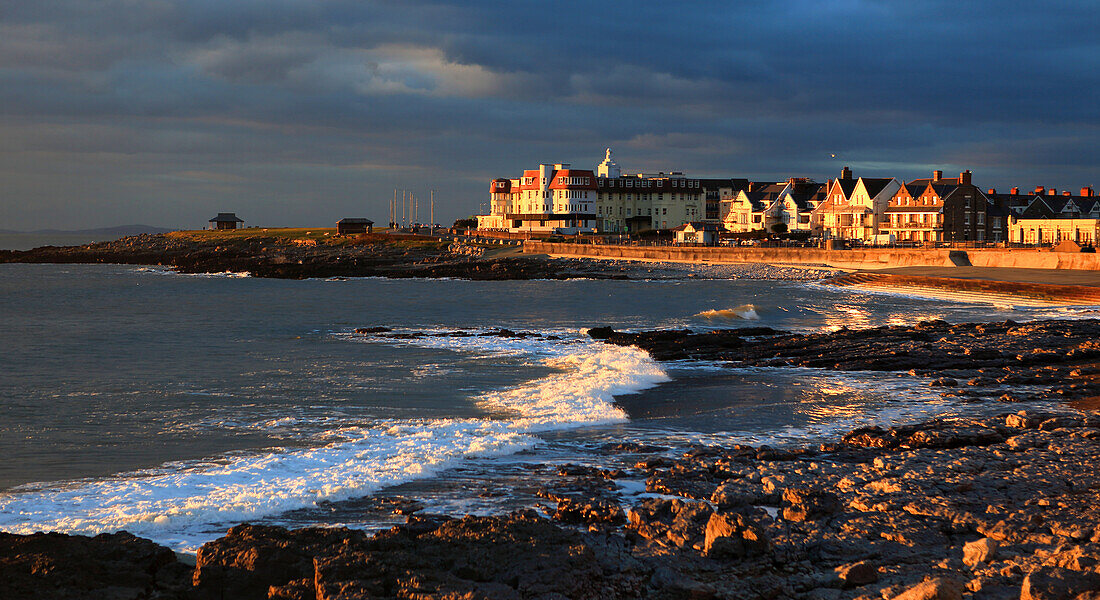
(997, 507)
(375, 255)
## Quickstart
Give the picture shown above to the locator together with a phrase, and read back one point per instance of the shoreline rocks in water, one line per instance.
(372, 255)
(1052, 359)
(985, 508)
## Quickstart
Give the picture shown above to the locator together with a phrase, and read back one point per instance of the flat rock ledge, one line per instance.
(1000, 507)
(1005, 361)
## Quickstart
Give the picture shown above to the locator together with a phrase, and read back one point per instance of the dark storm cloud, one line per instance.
(304, 110)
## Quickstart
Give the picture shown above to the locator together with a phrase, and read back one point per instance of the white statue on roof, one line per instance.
(608, 168)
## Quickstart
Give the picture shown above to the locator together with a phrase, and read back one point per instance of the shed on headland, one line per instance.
(353, 226)
(225, 221)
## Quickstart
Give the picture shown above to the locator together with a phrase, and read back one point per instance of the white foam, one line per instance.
(186, 504)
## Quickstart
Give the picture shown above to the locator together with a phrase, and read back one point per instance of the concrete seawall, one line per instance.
(872, 258)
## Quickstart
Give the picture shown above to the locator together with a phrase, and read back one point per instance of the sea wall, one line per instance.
(872, 258)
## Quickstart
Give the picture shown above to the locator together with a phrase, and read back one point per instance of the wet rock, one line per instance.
(943, 382)
(601, 333)
(366, 330)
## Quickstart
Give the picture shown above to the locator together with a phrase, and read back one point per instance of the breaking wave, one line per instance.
(745, 312)
(184, 504)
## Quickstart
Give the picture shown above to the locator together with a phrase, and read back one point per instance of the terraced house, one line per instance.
(1049, 218)
(773, 207)
(943, 210)
(745, 210)
(854, 209)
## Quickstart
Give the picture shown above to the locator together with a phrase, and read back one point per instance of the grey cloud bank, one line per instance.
(303, 112)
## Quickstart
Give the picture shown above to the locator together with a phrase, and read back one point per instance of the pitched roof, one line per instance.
(226, 218)
(847, 186)
(875, 185)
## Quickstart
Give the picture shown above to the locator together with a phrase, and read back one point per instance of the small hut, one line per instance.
(225, 221)
(697, 233)
(353, 226)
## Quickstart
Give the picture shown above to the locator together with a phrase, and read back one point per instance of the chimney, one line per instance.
(845, 173)
(1053, 191)
(1067, 193)
(1015, 191)
(1086, 192)
(936, 176)
(1040, 190)
(992, 191)
(964, 177)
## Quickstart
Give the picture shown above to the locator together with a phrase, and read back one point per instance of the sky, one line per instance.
(302, 112)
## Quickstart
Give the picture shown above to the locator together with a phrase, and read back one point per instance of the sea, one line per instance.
(175, 406)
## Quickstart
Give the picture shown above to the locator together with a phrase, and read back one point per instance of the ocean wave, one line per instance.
(185, 504)
(745, 312)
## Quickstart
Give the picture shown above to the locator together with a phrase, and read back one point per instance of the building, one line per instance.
(943, 210)
(552, 198)
(559, 198)
(697, 233)
(854, 209)
(225, 221)
(773, 207)
(793, 209)
(1049, 218)
(353, 226)
(717, 191)
(745, 210)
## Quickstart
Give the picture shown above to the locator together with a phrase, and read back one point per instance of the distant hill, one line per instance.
(117, 231)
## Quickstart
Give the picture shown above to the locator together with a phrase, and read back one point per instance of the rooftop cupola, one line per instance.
(608, 168)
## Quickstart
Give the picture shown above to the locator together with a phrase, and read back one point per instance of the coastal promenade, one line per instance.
(867, 259)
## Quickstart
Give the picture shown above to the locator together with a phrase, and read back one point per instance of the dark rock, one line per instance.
(671, 523)
(1054, 583)
(858, 573)
(120, 566)
(378, 329)
(809, 504)
(731, 535)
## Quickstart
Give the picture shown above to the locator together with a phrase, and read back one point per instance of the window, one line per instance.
(664, 211)
(981, 218)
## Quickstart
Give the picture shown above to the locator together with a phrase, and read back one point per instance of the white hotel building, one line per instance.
(558, 198)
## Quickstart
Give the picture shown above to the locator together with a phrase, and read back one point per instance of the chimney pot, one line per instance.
(1053, 191)
(1015, 191)
(1066, 193)
(992, 191)
(1086, 192)
(1040, 190)
(937, 175)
